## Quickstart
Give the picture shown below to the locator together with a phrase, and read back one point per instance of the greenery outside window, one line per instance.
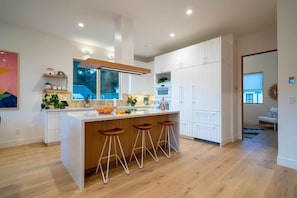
(86, 83)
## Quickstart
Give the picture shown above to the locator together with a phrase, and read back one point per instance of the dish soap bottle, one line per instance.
(163, 104)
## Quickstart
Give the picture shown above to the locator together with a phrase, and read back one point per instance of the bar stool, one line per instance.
(143, 129)
(167, 128)
(111, 134)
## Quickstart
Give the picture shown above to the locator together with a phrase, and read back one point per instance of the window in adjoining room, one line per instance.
(253, 88)
(86, 83)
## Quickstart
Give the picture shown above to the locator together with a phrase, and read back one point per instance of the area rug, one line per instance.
(251, 132)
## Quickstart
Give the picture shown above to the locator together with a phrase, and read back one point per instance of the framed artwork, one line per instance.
(9, 79)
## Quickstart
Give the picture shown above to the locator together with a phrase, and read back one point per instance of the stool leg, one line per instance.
(105, 177)
(159, 140)
(101, 155)
(125, 165)
(154, 156)
(174, 138)
(133, 150)
(143, 143)
(167, 140)
(115, 149)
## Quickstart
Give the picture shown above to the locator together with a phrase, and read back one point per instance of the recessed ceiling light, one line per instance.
(80, 24)
(1, 52)
(189, 12)
(172, 35)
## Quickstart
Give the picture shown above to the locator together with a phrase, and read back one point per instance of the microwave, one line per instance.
(163, 90)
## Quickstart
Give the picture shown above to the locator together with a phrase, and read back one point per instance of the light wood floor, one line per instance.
(241, 169)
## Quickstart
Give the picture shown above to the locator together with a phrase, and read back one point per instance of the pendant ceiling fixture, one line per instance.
(101, 64)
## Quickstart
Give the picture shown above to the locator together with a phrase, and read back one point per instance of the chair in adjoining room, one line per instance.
(112, 136)
(270, 118)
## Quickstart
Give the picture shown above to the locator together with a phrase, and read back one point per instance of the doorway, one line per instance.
(259, 74)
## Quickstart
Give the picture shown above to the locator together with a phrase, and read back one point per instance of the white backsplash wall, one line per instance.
(37, 51)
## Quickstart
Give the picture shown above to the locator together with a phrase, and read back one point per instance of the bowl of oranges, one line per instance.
(104, 109)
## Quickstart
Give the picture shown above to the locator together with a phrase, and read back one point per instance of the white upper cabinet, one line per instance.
(186, 57)
(202, 53)
(167, 62)
(207, 52)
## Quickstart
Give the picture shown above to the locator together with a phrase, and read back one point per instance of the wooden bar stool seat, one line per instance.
(111, 134)
(167, 128)
(143, 129)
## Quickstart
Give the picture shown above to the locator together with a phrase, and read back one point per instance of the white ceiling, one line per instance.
(153, 20)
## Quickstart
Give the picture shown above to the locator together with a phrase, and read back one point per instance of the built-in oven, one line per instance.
(163, 90)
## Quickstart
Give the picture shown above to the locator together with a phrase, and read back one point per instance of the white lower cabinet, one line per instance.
(207, 126)
(186, 128)
(207, 132)
(51, 123)
(52, 127)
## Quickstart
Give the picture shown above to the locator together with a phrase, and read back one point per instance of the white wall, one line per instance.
(143, 84)
(251, 44)
(37, 51)
(266, 63)
(287, 61)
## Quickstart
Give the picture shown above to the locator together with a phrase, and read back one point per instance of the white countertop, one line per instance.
(71, 109)
(91, 116)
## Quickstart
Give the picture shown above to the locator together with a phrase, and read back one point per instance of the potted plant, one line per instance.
(132, 101)
(51, 100)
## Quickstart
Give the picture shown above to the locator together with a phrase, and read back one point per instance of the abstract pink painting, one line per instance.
(9, 79)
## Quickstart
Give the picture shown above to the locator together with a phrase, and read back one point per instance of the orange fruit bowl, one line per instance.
(104, 109)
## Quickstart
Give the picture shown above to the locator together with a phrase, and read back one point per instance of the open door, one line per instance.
(259, 74)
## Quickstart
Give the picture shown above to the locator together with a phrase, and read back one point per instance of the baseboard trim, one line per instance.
(287, 162)
(19, 142)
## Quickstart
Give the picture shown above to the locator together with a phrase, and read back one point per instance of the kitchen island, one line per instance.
(81, 143)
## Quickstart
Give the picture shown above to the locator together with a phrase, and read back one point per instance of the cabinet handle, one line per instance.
(193, 94)
(181, 92)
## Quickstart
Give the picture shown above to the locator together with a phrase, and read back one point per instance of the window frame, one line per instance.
(98, 86)
(248, 92)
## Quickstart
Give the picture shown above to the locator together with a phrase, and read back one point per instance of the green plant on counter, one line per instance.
(51, 100)
(132, 101)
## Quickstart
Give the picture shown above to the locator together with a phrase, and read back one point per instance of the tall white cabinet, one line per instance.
(202, 89)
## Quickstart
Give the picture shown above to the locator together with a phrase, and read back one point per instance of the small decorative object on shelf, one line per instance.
(50, 71)
(47, 85)
(60, 73)
(87, 101)
(132, 101)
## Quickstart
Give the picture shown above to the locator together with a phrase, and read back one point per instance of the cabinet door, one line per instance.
(207, 117)
(212, 51)
(198, 54)
(207, 132)
(186, 128)
(186, 56)
(168, 62)
(207, 52)
(207, 87)
(53, 127)
(181, 81)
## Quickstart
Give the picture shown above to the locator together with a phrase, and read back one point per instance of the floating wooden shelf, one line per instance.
(54, 91)
(54, 76)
